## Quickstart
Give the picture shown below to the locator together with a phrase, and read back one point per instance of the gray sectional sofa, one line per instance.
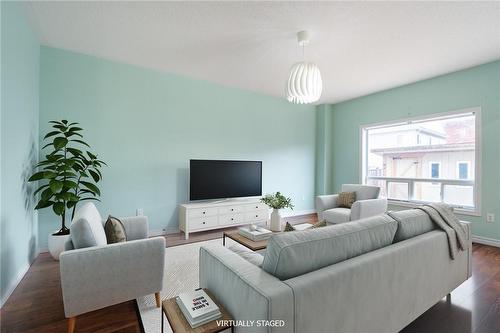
(373, 275)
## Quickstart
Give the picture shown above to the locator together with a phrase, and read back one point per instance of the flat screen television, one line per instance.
(220, 179)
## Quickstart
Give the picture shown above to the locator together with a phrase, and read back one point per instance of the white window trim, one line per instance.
(430, 169)
(477, 153)
(458, 169)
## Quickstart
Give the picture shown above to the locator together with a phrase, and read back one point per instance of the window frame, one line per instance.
(476, 182)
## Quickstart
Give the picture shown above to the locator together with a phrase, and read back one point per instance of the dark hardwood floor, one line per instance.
(36, 304)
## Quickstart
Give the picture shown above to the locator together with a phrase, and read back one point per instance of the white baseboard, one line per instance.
(486, 241)
(13, 284)
(298, 212)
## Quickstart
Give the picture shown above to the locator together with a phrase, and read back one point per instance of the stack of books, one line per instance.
(255, 235)
(198, 308)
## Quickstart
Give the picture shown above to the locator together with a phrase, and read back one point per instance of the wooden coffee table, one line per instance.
(252, 245)
(179, 324)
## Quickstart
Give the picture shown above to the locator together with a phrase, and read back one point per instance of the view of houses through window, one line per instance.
(429, 160)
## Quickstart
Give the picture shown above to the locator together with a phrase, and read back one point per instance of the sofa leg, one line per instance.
(158, 302)
(71, 324)
(448, 297)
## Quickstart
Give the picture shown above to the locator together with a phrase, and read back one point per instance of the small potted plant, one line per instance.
(276, 201)
(66, 176)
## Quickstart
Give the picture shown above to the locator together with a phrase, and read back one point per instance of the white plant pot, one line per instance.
(56, 244)
(275, 223)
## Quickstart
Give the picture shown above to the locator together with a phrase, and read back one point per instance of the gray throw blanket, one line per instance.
(442, 215)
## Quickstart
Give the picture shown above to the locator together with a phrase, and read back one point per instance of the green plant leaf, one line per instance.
(80, 141)
(58, 208)
(92, 156)
(55, 185)
(75, 129)
(62, 128)
(40, 188)
(48, 135)
(46, 194)
(43, 204)
(60, 142)
(48, 144)
(94, 175)
(68, 184)
(49, 174)
(55, 122)
(74, 151)
(64, 121)
(36, 176)
(91, 187)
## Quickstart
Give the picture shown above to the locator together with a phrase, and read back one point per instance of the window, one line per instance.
(463, 170)
(431, 159)
(435, 168)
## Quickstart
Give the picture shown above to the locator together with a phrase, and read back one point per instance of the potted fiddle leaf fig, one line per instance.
(68, 174)
(276, 201)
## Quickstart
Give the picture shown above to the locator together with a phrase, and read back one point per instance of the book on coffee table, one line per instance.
(198, 308)
(255, 235)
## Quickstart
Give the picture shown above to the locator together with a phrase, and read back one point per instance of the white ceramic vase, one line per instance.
(275, 223)
(56, 244)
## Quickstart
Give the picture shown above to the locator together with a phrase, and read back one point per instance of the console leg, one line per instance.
(186, 235)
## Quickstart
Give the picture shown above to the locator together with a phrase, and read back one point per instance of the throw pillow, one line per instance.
(320, 224)
(115, 231)
(289, 227)
(346, 199)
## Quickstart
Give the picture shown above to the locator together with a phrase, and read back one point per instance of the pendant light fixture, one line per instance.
(304, 84)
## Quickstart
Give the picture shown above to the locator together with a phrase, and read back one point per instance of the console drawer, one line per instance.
(231, 219)
(201, 212)
(256, 207)
(203, 222)
(260, 215)
(230, 210)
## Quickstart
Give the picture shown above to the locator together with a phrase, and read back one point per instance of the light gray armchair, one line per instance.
(367, 204)
(102, 275)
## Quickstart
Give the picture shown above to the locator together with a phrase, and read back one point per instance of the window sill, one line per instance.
(459, 211)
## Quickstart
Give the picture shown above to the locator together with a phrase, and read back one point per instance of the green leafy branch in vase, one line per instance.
(67, 175)
(277, 201)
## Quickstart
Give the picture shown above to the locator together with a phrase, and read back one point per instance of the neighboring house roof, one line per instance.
(411, 128)
(425, 149)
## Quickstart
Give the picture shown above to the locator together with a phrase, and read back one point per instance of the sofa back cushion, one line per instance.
(363, 192)
(86, 228)
(295, 253)
(411, 223)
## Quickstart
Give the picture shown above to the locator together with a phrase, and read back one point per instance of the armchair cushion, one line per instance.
(363, 192)
(337, 215)
(86, 228)
(115, 231)
(346, 199)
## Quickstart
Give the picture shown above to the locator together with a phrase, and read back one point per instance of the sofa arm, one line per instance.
(324, 202)
(96, 277)
(366, 208)
(136, 227)
(245, 290)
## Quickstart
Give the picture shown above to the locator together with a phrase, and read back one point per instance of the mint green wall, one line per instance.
(148, 124)
(478, 86)
(19, 144)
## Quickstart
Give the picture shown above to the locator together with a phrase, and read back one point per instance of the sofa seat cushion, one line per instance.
(337, 215)
(247, 254)
(86, 228)
(291, 254)
(411, 223)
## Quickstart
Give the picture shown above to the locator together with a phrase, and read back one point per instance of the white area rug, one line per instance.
(181, 275)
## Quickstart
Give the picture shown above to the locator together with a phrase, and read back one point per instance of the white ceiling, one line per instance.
(360, 47)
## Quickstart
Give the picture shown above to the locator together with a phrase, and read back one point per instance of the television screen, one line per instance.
(217, 179)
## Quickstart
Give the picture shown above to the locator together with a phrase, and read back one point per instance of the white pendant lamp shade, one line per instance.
(304, 84)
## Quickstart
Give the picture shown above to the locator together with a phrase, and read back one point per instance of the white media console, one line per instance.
(201, 216)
